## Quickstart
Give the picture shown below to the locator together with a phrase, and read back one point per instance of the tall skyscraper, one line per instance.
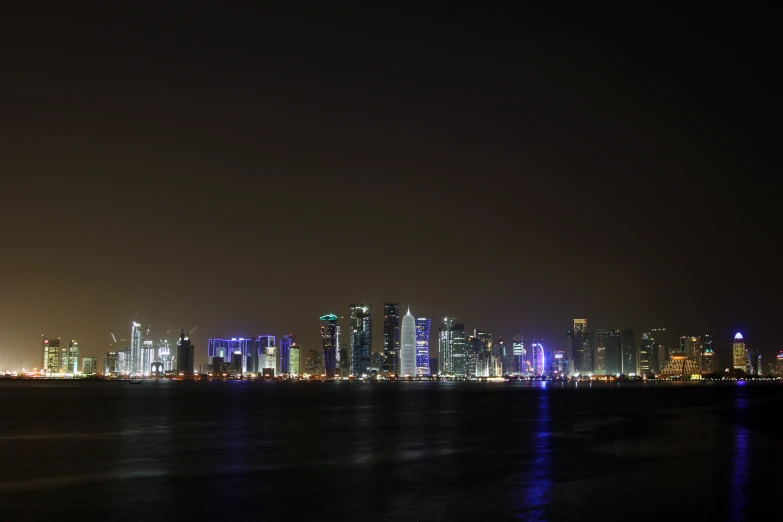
(361, 340)
(689, 346)
(286, 342)
(751, 361)
(613, 353)
(329, 343)
(630, 360)
(423, 346)
(580, 326)
(51, 356)
(185, 356)
(538, 359)
(661, 337)
(459, 351)
(69, 358)
(391, 338)
(570, 343)
(111, 363)
(648, 354)
(779, 364)
(445, 358)
(599, 361)
(234, 351)
(739, 355)
(708, 360)
(586, 352)
(408, 346)
(293, 360)
(520, 354)
(135, 349)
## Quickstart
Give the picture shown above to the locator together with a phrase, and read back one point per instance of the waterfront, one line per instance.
(391, 451)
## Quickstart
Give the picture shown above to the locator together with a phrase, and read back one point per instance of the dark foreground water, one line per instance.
(389, 451)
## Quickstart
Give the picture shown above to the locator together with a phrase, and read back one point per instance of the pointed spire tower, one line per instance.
(408, 346)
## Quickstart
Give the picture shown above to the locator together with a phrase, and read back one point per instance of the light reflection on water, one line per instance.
(536, 484)
(740, 462)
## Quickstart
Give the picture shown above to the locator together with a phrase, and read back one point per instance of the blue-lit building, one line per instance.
(286, 342)
(329, 343)
(232, 351)
(539, 365)
(423, 346)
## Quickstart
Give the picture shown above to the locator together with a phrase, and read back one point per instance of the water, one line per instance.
(388, 451)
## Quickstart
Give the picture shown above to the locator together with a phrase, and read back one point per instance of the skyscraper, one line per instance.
(571, 341)
(111, 363)
(599, 361)
(779, 363)
(234, 351)
(408, 346)
(361, 340)
(689, 346)
(613, 353)
(185, 356)
(661, 337)
(459, 351)
(580, 326)
(538, 358)
(286, 342)
(391, 338)
(648, 354)
(707, 346)
(739, 355)
(751, 361)
(293, 360)
(69, 358)
(445, 362)
(423, 346)
(520, 353)
(586, 352)
(630, 361)
(135, 349)
(51, 356)
(329, 343)
(89, 366)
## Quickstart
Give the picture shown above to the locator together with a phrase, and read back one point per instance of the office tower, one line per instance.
(630, 359)
(559, 364)
(499, 348)
(657, 360)
(89, 365)
(474, 347)
(459, 351)
(759, 370)
(708, 360)
(147, 357)
(585, 352)
(69, 357)
(538, 359)
(361, 340)
(434, 366)
(613, 353)
(689, 346)
(164, 355)
(739, 355)
(314, 363)
(270, 361)
(391, 337)
(570, 353)
(423, 346)
(111, 363)
(751, 360)
(445, 359)
(580, 327)
(342, 368)
(51, 356)
(293, 360)
(483, 362)
(123, 360)
(648, 354)
(233, 351)
(408, 346)
(329, 343)
(286, 342)
(265, 353)
(185, 356)
(599, 361)
(518, 348)
(135, 349)
(779, 364)
(706, 343)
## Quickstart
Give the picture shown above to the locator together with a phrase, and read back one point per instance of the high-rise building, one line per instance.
(708, 360)
(520, 354)
(51, 356)
(580, 326)
(408, 346)
(164, 355)
(599, 360)
(234, 351)
(459, 351)
(185, 356)
(661, 337)
(314, 363)
(751, 361)
(376, 362)
(391, 338)
(689, 346)
(613, 353)
(89, 365)
(423, 346)
(445, 359)
(270, 361)
(329, 343)
(538, 359)
(293, 360)
(286, 342)
(361, 340)
(648, 354)
(147, 357)
(779, 364)
(586, 352)
(630, 359)
(135, 349)
(738, 352)
(571, 342)
(111, 363)
(69, 358)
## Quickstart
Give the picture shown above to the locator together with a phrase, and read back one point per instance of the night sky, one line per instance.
(247, 172)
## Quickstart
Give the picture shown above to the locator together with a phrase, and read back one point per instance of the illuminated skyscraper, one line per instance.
(164, 355)
(689, 346)
(739, 355)
(293, 360)
(459, 351)
(423, 346)
(779, 364)
(286, 342)
(519, 354)
(233, 351)
(586, 352)
(613, 353)
(51, 356)
(111, 363)
(69, 358)
(89, 365)
(599, 336)
(391, 337)
(538, 359)
(147, 357)
(580, 326)
(329, 343)
(361, 339)
(135, 349)
(708, 360)
(648, 354)
(630, 359)
(751, 361)
(445, 359)
(185, 356)
(408, 346)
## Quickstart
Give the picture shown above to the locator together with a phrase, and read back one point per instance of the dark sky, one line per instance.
(247, 172)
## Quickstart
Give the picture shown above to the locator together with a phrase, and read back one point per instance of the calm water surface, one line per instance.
(389, 451)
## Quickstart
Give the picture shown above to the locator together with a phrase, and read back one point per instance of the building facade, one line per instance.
(90, 365)
(423, 346)
(361, 340)
(286, 342)
(630, 359)
(111, 363)
(51, 356)
(613, 353)
(408, 346)
(391, 338)
(738, 353)
(185, 356)
(329, 343)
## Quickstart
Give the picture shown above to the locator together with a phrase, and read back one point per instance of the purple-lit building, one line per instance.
(233, 351)
(539, 365)
(286, 342)
(423, 346)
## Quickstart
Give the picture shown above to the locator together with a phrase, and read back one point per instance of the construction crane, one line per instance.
(115, 339)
